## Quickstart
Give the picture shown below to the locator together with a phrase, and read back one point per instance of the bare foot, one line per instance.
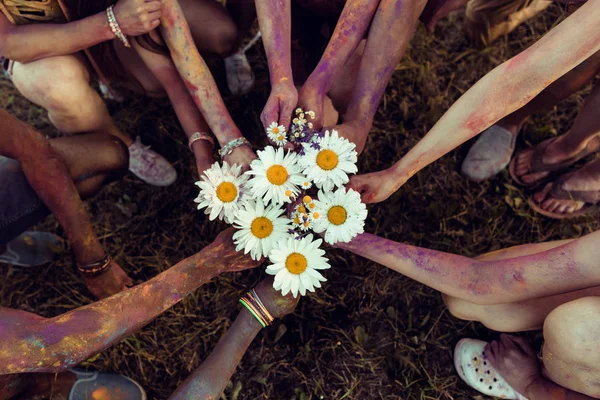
(554, 154)
(586, 179)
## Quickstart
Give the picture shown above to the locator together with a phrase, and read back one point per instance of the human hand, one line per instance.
(374, 187)
(278, 305)
(309, 99)
(137, 17)
(354, 131)
(243, 156)
(281, 105)
(112, 281)
(515, 360)
(222, 249)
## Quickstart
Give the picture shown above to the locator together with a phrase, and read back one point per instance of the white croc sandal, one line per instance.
(473, 367)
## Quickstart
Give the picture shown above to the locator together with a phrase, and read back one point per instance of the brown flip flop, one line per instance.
(590, 197)
(538, 165)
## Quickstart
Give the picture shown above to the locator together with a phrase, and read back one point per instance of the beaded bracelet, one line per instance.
(95, 268)
(115, 28)
(234, 144)
(200, 136)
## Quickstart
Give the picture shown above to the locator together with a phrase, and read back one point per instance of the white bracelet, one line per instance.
(115, 28)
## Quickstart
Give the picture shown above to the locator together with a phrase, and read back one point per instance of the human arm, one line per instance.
(199, 81)
(349, 31)
(210, 379)
(189, 116)
(55, 344)
(502, 91)
(488, 282)
(26, 43)
(275, 21)
(516, 361)
(50, 179)
(389, 36)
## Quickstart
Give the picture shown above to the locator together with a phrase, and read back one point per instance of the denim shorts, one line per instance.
(20, 206)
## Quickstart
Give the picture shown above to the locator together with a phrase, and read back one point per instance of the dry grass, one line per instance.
(370, 333)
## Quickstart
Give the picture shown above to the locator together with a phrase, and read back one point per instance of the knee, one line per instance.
(223, 38)
(575, 320)
(461, 309)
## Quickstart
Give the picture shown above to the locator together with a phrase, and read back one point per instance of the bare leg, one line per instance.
(586, 179)
(61, 85)
(583, 136)
(570, 354)
(568, 84)
(243, 13)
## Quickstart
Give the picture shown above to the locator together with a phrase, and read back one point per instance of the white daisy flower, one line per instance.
(328, 161)
(296, 264)
(222, 191)
(341, 215)
(276, 176)
(306, 184)
(277, 133)
(301, 218)
(259, 229)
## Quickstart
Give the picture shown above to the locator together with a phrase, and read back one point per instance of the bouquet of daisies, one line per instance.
(255, 202)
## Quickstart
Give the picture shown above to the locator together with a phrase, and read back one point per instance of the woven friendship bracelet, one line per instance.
(95, 268)
(115, 28)
(234, 144)
(252, 302)
(200, 136)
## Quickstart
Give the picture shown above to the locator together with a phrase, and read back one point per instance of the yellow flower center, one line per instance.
(277, 174)
(307, 199)
(261, 227)
(301, 209)
(226, 192)
(316, 215)
(327, 159)
(296, 263)
(279, 137)
(275, 130)
(337, 215)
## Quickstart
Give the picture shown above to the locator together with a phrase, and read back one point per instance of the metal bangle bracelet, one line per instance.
(95, 268)
(200, 136)
(234, 144)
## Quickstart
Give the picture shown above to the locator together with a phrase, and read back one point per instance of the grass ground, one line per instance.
(370, 333)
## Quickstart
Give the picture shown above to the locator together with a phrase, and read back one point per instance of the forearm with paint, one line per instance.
(275, 21)
(195, 73)
(558, 270)
(210, 379)
(56, 344)
(507, 88)
(50, 179)
(349, 31)
(389, 36)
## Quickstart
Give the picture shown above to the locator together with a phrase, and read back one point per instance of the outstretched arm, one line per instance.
(26, 43)
(562, 269)
(389, 36)
(199, 81)
(275, 21)
(349, 31)
(500, 92)
(210, 379)
(50, 179)
(53, 345)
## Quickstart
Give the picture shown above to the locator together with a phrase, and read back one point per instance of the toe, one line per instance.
(540, 196)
